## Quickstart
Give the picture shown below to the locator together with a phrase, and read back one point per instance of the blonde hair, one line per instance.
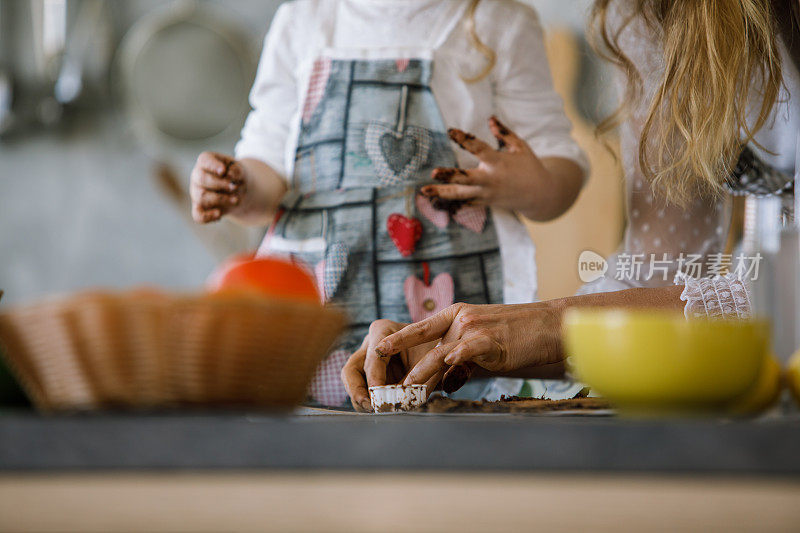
(475, 40)
(720, 57)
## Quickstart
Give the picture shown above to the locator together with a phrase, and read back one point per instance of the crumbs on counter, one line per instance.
(513, 404)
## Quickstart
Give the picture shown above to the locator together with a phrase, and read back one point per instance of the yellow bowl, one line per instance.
(658, 360)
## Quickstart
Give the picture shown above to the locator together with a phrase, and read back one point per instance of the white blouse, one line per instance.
(674, 234)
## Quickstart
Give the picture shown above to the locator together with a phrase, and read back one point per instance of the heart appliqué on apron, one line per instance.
(404, 232)
(437, 217)
(427, 300)
(397, 156)
(326, 387)
(317, 83)
(329, 271)
(471, 217)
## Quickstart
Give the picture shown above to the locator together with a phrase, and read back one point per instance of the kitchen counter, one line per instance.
(310, 439)
(321, 471)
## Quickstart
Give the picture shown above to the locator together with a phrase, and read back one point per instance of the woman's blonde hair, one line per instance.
(721, 67)
(488, 53)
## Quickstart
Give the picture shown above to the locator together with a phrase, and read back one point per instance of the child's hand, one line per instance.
(217, 186)
(511, 177)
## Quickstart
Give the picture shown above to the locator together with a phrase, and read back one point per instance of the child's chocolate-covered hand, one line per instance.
(511, 177)
(217, 186)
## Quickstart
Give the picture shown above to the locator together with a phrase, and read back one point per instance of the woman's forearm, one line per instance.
(265, 190)
(656, 297)
(640, 298)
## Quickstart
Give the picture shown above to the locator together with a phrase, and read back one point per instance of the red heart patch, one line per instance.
(405, 232)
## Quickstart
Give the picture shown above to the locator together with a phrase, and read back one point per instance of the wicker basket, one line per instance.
(145, 350)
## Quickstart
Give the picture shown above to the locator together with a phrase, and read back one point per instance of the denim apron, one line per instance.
(370, 136)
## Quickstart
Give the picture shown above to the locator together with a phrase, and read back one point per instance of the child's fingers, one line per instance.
(205, 216)
(455, 192)
(472, 144)
(212, 182)
(214, 162)
(458, 176)
(226, 159)
(235, 172)
(505, 137)
(210, 199)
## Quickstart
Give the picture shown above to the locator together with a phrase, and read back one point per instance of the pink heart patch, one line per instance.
(326, 387)
(471, 217)
(427, 300)
(316, 86)
(437, 217)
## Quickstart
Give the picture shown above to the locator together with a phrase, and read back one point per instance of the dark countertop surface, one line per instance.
(199, 441)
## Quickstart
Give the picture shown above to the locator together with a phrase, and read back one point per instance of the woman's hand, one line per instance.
(367, 368)
(512, 177)
(217, 186)
(501, 339)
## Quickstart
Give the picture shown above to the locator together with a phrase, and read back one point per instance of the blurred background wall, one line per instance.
(87, 196)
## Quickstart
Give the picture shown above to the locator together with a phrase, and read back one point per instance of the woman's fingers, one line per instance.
(376, 362)
(430, 329)
(456, 377)
(479, 348)
(375, 370)
(506, 138)
(461, 356)
(472, 144)
(432, 383)
(430, 365)
(355, 382)
(455, 192)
